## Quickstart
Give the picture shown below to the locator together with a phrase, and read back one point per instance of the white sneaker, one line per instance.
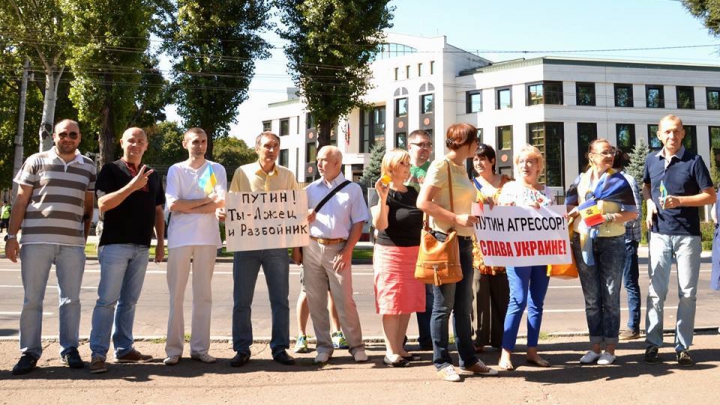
(606, 359)
(360, 356)
(322, 358)
(448, 374)
(590, 357)
(171, 360)
(204, 357)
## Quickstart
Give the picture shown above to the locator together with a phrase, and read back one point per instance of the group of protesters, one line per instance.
(54, 207)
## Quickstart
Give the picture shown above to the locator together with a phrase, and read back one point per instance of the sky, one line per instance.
(509, 29)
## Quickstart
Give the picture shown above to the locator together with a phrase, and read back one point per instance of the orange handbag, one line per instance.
(566, 271)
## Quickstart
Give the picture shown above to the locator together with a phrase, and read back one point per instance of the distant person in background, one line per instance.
(420, 148)
(715, 274)
(5, 216)
(631, 272)
(398, 220)
(676, 184)
(491, 292)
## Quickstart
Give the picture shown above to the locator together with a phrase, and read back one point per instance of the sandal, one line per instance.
(539, 361)
(505, 366)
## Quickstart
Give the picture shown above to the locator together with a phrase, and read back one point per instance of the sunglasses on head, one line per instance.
(72, 135)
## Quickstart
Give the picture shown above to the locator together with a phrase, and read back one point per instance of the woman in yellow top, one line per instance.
(602, 193)
(491, 293)
(434, 200)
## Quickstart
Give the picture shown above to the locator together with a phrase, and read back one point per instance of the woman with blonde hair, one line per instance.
(529, 284)
(434, 200)
(398, 221)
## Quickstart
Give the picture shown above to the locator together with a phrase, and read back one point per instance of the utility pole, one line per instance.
(20, 126)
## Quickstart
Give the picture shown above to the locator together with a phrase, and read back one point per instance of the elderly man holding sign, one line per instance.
(262, 176)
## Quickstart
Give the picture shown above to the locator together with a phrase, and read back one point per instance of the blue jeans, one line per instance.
(423, 318)
(528, 286)
(122, 273)
(35, 263)
(456, 298)
(601, 286)
(631, 274)
(276, 267)
(687, 254)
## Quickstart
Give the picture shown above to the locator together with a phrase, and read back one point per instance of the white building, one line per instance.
(557, 104)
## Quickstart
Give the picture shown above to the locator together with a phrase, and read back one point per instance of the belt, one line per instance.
(323, 241)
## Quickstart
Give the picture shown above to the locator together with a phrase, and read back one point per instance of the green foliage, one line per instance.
(636, 166)
(371, 173)
(214, 44)
(707, 11)
(165, 144)
(714, 170)
(331, 43)
(106, 56)
(233, 153)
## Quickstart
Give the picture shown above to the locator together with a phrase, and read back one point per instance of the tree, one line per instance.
(36, 27)
(165, 144)
(331, 43)
(636, 166)
(214, 44)
(707, 11)
(372, 171)
(106, 57)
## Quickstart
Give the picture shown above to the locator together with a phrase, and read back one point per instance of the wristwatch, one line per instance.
(10, 236)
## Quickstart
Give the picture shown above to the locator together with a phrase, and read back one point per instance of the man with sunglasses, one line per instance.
(420, 147)
(54, 205)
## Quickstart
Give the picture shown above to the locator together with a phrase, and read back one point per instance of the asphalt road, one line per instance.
(564, 310)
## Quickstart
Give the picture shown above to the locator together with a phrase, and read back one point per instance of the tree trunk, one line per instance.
(210, 131)
(323, 129)
(106, 140)
(52, 80)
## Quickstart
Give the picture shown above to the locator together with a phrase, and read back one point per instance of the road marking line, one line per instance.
(557, 311)
(18, 313)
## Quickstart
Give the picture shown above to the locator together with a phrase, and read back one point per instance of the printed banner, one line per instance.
(521, 236)
(269, 220)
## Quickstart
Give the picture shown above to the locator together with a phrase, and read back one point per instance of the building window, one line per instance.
(623, 95)
(504, 137)
(397, 73)
(685, 97)
(654, 142)
(372, 128)
(420, 68)
(401, 140)
(480, 136)
(267, 126)
(690, 140)
(310, 152)
(548, 138)
(504, 99)
(713, 98)
(426, 103)
(715, 144)
(585, 93)
(285, 127)
(655, 96)
(284, 158)
(407, 71)
(310, 121)
(625, 136)
(545, 93)
(401, 107)
(587, 132)
(473, 101)
(432, 67)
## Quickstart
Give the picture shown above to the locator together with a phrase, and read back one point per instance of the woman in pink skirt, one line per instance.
(398, 221)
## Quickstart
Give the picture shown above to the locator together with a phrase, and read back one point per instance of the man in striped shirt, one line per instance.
(54, 204)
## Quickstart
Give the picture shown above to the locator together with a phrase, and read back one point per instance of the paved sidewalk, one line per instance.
(342, 381)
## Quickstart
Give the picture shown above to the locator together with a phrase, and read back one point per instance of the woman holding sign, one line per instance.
(605, 202)
(491, 292)
(434, 200)
(398, 220)
(528, 285)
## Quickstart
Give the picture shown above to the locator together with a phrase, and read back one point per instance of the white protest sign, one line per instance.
(266, 220)
(523, 236)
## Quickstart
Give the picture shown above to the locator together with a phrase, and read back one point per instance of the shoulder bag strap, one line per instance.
(331, 194)
(426, 225)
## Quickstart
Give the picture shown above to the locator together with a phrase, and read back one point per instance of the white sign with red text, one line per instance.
(521, 236)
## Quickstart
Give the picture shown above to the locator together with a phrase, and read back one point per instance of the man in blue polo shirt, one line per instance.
(676, 183)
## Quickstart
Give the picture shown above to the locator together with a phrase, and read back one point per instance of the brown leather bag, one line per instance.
(438, 262)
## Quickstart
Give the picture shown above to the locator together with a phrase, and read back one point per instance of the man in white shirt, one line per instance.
(195, 190)
(334, 230)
